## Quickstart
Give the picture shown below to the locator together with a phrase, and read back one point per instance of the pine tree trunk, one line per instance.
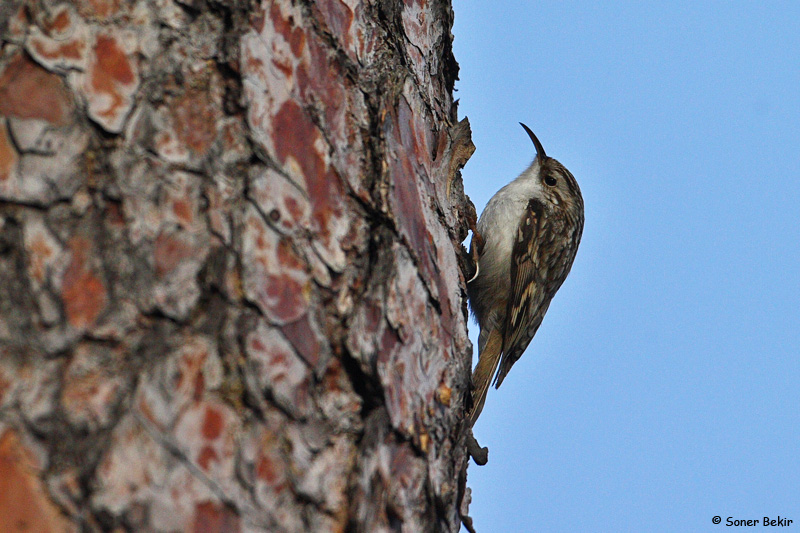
(231, 293)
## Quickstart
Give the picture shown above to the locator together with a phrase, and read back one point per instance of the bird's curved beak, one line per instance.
(539, 149)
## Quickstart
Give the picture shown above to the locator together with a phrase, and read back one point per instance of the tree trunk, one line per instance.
(231, 295)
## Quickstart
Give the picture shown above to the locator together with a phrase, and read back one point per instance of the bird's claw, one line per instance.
(475, 249)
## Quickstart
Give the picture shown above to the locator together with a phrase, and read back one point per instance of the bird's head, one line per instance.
(557, 184)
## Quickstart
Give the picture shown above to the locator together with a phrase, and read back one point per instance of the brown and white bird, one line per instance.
(528, 236)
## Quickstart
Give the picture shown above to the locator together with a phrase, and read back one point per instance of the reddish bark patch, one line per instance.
(39, 254)
(8, 155)
(334, 379)
(285, 291)
(257, 20)
(71, 50)
(389, 340)
(234, 143)
(168, 252)
(373, 315)
(293, 35)
(215, 518)
(321, 79)
(59, 23)
(265, 470)
(284, 66)
(82, 291)
(114, 215)
(195, 120)
(339, 18)
(112, 82)
(191, 380)
(97, 9)
(279, 369)
(408, 208)
(207, 455)
(413, 134)
(24, 502)
(304, 340)
(199, 386)
(405, 118)
(112, 65)
(402, 469)
(297, 139)
(63, 41)
(275, 277)
(294, 208)
(285, 297)
(270, 466)
(183, 211)
(212, 423)
(5, 385)
(29, 91)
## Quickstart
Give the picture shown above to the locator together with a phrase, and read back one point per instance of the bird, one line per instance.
(526, 241)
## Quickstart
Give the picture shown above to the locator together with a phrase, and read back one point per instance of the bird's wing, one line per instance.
(523, 315)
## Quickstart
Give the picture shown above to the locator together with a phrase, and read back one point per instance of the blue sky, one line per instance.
(663, 387)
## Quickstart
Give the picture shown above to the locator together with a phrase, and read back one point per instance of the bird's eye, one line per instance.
(550, 180)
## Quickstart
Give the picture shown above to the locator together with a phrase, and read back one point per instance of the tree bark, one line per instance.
(231, 289)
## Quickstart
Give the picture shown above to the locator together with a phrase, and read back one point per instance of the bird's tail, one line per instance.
(488, 360)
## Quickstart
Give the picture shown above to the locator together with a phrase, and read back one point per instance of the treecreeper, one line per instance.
(526, 241)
